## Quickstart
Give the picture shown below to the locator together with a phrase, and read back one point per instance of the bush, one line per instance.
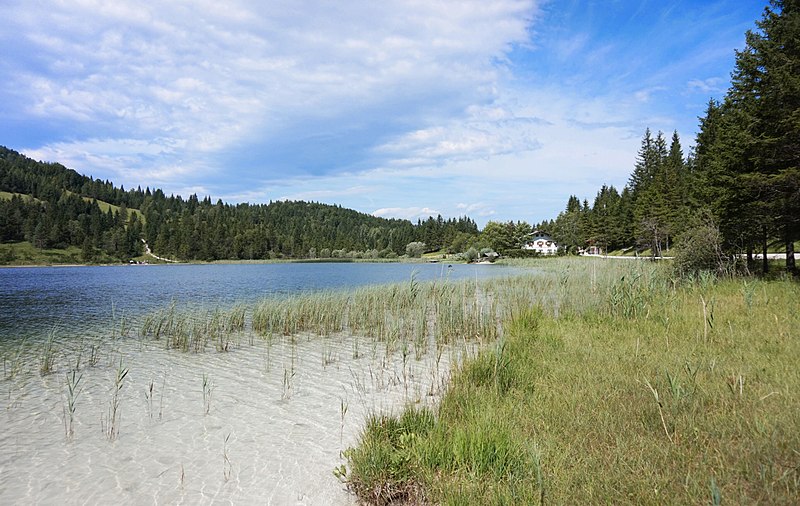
(700, 250)
(415, 249)
(470, 255)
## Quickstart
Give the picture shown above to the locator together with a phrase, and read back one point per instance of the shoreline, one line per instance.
(244, 262)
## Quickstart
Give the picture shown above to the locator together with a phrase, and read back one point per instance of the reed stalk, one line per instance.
(208, 390)
(111, 427)
(73, 391)
(48, 357)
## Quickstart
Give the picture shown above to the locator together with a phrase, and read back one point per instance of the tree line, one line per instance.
(737, 191)
(54, 207)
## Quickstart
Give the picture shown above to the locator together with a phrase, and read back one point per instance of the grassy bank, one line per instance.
(609, 387)
(23, 253)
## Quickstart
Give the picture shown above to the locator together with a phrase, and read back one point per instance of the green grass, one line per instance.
(24, 253)
(779, 247)
(8, 196)
(104, 206)
(649, 391)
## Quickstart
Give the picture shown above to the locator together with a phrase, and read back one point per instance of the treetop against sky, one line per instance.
(497, 110)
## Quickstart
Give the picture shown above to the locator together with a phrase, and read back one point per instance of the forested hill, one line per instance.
(54, 207)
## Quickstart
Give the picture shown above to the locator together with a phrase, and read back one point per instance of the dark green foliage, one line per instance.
(505, 237)
(59, 208)
(701, 251)
(58, 219)
(749, 145)
(744, 173)
(380, 466)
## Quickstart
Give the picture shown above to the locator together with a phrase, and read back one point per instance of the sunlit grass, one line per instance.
(612, 383)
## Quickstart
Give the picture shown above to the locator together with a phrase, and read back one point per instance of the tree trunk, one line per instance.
(764, 260)
(790, 265)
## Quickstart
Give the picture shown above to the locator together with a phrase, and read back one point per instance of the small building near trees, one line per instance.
(541, 243)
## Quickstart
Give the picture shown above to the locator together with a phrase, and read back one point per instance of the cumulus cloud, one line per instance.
(710, 86)
(404, 106)
(215, 76)
(483, 132)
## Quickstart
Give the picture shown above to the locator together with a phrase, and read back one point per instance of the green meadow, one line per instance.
(612, 382)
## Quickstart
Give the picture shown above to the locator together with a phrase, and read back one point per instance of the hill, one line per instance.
(52, 206)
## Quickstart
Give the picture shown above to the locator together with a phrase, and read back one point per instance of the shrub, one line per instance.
(415, 249)
(700, 250)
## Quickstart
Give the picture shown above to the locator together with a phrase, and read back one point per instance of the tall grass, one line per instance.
(73, 391)
(112, 423)
(402, 316)
(195, 331)
(612, 386)
(47, 358)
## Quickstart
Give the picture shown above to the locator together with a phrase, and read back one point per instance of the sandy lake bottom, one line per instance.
(264, 422)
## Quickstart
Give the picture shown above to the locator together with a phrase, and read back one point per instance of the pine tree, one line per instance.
(750, 153)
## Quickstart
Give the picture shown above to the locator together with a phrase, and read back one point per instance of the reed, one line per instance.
(227, 467)
(208, 391)
(192, 331)
(47, 358)
(288, 377)
(343, 407)
(73, 391)
(600, 369)
(148, 398)
(111, 425)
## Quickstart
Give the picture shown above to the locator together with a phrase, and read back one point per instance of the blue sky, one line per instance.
(498, 110)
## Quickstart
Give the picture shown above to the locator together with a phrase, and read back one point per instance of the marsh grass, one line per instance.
(403, 317)
(227, 466)
(47, 358)
(73, 391)
(193, 331)
(111, 424)
(208, 392)
(585, 400)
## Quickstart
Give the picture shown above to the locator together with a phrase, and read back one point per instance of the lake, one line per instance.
(35, 300)
(95, 413)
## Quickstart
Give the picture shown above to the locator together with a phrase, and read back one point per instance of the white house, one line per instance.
(541, 243)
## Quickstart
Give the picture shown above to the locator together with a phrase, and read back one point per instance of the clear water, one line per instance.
(268, 427)
(35, 300)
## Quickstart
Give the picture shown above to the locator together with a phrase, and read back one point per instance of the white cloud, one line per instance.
(217, 76)
(710, 86)
(477, 209)
(404, 106)
(645, 95)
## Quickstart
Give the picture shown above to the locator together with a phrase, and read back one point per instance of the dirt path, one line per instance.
(150, 253)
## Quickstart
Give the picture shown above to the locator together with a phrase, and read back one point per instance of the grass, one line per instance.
(208, 392)
(25, 197)
(195, 332)
(24, 253)
(112, 424)
(616, 388)
(73, 391)
(47, 359)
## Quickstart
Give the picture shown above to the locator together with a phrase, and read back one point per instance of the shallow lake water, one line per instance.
(262, 423)
(73, 300)
(268, 427)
